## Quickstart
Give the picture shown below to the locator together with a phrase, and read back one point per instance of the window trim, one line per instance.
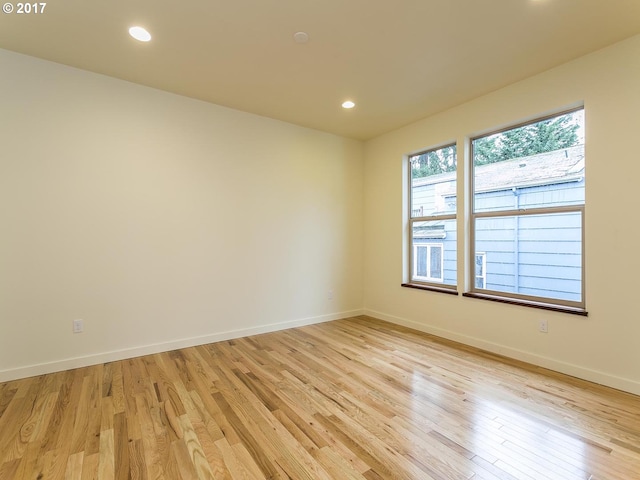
(430, 288)
(536, 304)
(507, 297)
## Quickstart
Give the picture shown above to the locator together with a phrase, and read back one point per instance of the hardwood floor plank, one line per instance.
(244, 436)
(19, 418)
(74, 467)
(60, 426)
(361, 450)
(491, 469)
(54, 463)
(30, 464)
(137, 463)
(197, 456)
(355, 399)
(150, 452)
(8, 470)
(238, 461)
(6, 395)
(106, 465)
(95, 418)
(181, 465)
(81, 418)
(90, 467)
(121, 446)
(336, 465)
(116, 391)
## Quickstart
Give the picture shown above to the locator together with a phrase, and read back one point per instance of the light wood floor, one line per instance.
(351, 399)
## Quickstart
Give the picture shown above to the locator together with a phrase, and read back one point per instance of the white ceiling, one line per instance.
(398, 60)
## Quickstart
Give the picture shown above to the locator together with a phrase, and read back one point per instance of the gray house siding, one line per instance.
(533, 255)
(568, 193)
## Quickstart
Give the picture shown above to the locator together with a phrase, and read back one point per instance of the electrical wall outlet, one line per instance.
(78, 326)
(330, 295)
(543, 326)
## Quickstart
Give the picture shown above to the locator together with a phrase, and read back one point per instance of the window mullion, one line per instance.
(529, 211)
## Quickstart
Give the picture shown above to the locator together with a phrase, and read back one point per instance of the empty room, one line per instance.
(319, 240)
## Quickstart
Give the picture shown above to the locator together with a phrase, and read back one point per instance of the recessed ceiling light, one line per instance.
(301, 37)
(140, 33)
(348, 104)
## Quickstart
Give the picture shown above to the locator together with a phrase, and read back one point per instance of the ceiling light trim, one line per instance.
(140, 33)
(301, 37)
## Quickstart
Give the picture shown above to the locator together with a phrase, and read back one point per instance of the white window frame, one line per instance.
(429, 277)
(543, 302)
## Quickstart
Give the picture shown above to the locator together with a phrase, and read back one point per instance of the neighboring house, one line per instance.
(531, 255)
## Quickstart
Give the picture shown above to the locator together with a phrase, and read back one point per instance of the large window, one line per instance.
(432, 217)
(527, 216)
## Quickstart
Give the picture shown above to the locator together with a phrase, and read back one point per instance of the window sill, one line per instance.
(430, 288)
(525, 303)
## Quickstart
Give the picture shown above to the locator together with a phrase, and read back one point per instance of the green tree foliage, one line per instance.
(541, 137)
(434, 162)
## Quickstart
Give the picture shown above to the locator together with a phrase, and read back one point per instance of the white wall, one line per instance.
(602, 347)
(161, 221)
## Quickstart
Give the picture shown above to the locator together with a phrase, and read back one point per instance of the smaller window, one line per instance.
(432, 218)
(481, 270)
(428, 262)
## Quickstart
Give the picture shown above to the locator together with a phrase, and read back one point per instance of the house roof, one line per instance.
(559, 166)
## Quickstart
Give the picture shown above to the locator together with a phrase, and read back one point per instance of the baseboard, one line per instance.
(595, 376)
(95, 359)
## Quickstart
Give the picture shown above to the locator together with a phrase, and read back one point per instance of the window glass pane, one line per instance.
(479, 266)
(533, 166)
(434, 251)
(480, 271)
(421, 261)
(435, 271)
(535, 255)
(433, 182)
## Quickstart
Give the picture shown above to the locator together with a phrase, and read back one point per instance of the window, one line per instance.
(432, 217)
(428, 262)
(527, 220)
(480, 270)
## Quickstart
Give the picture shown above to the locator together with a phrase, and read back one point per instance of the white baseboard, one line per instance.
(595, 376)
(95, 359)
